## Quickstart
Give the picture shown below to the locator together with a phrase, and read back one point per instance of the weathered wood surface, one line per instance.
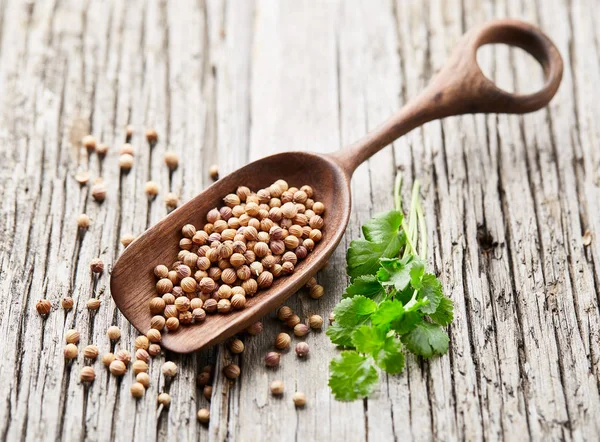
(508, 201)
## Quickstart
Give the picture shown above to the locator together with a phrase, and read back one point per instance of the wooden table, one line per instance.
(508, 202)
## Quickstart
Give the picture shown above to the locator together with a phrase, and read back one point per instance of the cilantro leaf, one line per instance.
(354, 311)
(416, 274)
(444, 313)
(340, 335)
(367, 339)
(351, 376)
(407, 322)
(426, 340)
(387, 312)
(382, 239)
(397, 272)
(366, 285)
(431, 290)
(390, 356)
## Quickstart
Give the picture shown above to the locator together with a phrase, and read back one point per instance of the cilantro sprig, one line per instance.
(392, 304)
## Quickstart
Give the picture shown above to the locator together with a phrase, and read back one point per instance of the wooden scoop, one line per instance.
(459, 88)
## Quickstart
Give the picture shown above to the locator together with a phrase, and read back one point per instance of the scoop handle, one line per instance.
(462, 88)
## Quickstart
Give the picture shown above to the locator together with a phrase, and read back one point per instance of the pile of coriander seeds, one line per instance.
(252, 239)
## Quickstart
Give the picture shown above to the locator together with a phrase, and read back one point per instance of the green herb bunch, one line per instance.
(391, 305)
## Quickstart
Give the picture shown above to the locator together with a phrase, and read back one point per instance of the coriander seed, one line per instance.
(107, 359)
(151, 189)
(169, 369)
(70, 352)
(157, 322)
(82, 177)
(315, 322)
(90, 352)
(203, 416)
(141, 342)
(164, 399)
(157, 305)
(89, 142)
(128, 131)
(236, 346)
(137, 390)
(207, 392)
(93, 304)
(284, 313)
(231, 371)
(282, 341)
(299, 399)
(161, 271)
(302, 349)
(113, 333)
(153, 335)
(83, 221)
(301, 330)
(142, 355)
(238, 302)
(143, 378)
(255, 329)
(117, 368)
(171, 160)
(123, 356)
(67, 303)
(127, 239)
(316, 291)
(293, 321)
(43, 306)
(151, 136)
(102, 149)
(172, 324)
(96, 266)
(127, 149)
(213, 171)
(272, 359)
(154, 350)
(203, 379)
(277, 388)
(87, 374)
(72, 336)
(99, 191)
(139, 366)
(126, 161)
(171, 200)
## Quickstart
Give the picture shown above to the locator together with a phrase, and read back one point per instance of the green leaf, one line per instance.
(444, 314)
(383, 239)
(390, 356)
(407, 322)
(426, 340)
(431, 290)
(416, 274)
(387, 312)
(397, 272)
(351, 376)
(366, 285)
(353, 311)
(340, 335)
(367, 339)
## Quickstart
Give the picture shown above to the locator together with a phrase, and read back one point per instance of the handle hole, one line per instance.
(510, 68)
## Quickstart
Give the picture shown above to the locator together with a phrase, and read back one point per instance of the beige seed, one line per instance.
(171, 199)
(113, 333)
(299, 399)
(282, 341)
(213, 171)
(137, 390)
(143, 378)
(139, 366)
(107, 359)
(83, 221)
(151, 189)
(67, 303)
(203, 416)
(43, 306)
(99, 191)
(90, 352)
(70, 352)
(93, 304)
(277, 388)
(72, 336)
(127, 239)
(141, 342)
(164, 399)
(169, 369)
(126, 161)
(151, 136)
(117, 368)
(89, 142)
(171, 160)
(87, 374)
(236, 346)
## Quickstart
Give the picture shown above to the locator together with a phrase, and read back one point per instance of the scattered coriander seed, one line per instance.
(277, 388)
(141, 342)
(255, 329)
(157, 306)
(113, 332)
(311, 283)
(89, 142)
(127, 149)
(151, 189)
(82, 177)
(171, 160)
(107, 359)
(203, 379)
(284, 313)
(171, 199)
(293, 321)
(299, 399)
(123, 356)
(142, 355)
(316, 291)
(331, 317)
(164, 399)
(203, 416)
(128, 131)
(213, 171)
(154, 350)
(161, 271)
(87, 374)
(127, 239)
(236, 346)
(172, 324)
(117, 368)
(137, 390)
(139, 366)
(154, 335)
(96, 266)
(272, 359)
(231, 371)
(90, 352)
(93, 304)
(43, 306)
(101, 149)
(83, 221)
(302, 349)
(67, 303)
(169, 369)
(126, 161)
(151, 136)
(207, 392)
(315, 322)
(301, 330)
(99, 191)
(70, 352)
(283, 341)
(72, 336)
(143, 378)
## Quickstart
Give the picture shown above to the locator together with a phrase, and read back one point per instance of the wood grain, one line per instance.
(508, 200)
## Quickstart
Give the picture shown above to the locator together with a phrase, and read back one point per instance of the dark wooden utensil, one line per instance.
(459, 88)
